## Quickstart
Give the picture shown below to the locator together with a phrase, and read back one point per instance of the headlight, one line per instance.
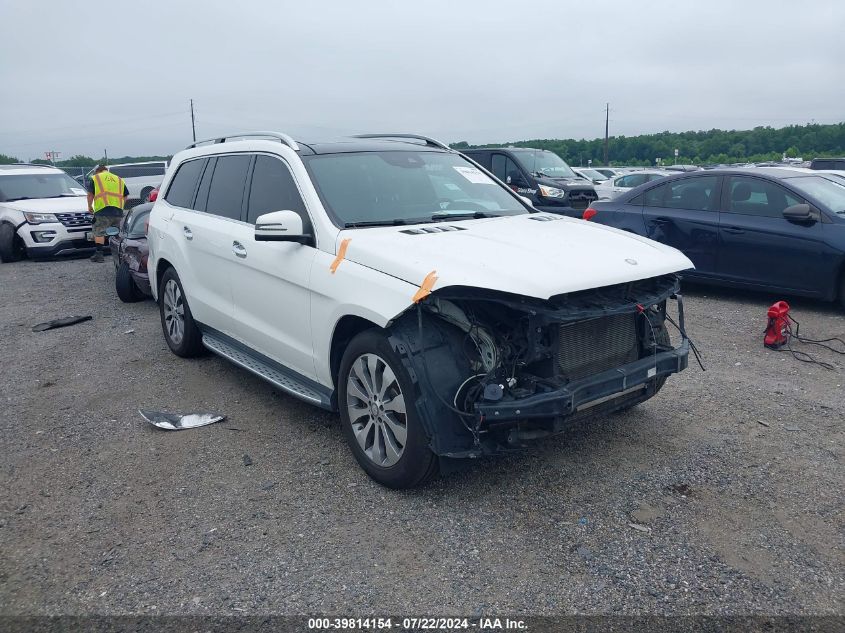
(39, 218)
(551, 192)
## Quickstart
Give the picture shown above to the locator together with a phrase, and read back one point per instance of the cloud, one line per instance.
(482, 71)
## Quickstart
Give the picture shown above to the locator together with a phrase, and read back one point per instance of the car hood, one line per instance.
(536, 255)
(74, 204)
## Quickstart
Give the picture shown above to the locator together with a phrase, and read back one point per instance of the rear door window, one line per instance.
(226, 192)
(273, 189)
(180, 193)
(754, 196)
(697, 194)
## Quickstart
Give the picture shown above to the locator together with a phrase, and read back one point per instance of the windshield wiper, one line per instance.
(363, 223)
(451, 215)
(16, 199)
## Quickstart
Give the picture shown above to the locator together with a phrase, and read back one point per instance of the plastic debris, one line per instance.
(247, 460)
(56, 323)
(640, 528)
(177, 422)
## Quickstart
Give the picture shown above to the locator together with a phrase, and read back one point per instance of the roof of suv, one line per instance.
(360, 143)
(343, 145)
(26, 168)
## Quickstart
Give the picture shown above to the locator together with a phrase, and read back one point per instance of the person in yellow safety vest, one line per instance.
(107, 195)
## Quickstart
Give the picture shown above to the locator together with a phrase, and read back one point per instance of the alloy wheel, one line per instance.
(174, 312)
(376, 408)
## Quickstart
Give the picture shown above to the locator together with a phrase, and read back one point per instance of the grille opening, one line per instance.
(590, 347)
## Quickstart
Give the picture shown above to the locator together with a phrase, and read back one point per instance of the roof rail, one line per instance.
(428, 140)
(283, 138)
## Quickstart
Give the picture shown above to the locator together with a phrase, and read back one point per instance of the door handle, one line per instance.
(733, 229)
(239, 250)
(189, 234)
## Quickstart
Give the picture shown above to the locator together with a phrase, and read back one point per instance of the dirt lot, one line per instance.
(736, 473)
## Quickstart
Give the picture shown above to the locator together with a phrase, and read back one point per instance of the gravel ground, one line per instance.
(733, 479)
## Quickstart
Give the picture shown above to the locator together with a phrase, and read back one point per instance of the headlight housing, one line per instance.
(39, 218)
(552, 192)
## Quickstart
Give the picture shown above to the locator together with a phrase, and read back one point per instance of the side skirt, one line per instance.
(276, 374)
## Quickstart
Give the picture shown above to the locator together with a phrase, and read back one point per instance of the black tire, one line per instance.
(417, 464)
(190, 342)
(145, 194)
(127, 289)
(11, 247)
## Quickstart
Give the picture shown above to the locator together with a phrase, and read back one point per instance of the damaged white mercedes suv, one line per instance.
(392, 279)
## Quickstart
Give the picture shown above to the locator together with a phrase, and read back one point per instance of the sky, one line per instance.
(118, 76)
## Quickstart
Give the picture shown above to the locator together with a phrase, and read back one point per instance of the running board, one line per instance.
(272, 372)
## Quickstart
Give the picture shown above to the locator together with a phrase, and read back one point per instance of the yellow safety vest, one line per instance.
(108, 191)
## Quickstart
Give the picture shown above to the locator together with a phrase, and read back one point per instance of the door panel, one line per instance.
(272, 297)
(759, 246)
(682, 213)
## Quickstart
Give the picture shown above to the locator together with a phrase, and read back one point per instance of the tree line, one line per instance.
(698, 148)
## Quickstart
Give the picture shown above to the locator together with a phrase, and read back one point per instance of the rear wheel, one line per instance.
(127, 289)
(380, 421)
(11, 246)
(180, 331)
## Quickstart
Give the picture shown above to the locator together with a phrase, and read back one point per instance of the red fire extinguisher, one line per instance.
(777, 330)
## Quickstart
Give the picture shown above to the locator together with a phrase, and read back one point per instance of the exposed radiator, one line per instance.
(596, 345)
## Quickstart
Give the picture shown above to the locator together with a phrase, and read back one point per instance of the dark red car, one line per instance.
(129, 253)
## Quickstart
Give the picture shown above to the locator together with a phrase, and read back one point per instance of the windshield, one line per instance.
(829, 192)
(544, 163)
(402, 187)
(32, 186)
(593, 174)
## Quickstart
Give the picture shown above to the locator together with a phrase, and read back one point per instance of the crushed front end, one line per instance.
(494, 370)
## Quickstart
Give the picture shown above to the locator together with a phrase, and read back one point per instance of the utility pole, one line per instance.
(106, 156)
(193, 125)
(606, 129)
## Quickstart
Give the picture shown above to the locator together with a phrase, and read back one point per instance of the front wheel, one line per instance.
(11, 247)
(382, 427)
(180, 331)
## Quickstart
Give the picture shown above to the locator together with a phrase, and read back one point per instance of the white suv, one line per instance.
(43, 212)
(393, 279)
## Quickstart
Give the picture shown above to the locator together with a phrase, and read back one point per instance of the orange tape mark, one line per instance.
(425, 287)
(341, 253)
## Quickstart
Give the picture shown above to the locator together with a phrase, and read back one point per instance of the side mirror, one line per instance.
(798, 213)
(112, 230)
(281, 226)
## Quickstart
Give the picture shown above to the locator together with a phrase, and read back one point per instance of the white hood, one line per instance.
(515, 254)
(69, 204)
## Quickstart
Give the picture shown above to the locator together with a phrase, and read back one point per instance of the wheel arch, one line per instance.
(347, 328)
(161, 267)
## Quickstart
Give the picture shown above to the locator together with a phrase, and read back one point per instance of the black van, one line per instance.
(540, 175)
(827, 163)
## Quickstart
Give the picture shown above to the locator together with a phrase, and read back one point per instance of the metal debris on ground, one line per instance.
(177, 422)
(56, 323)
(639, 528)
